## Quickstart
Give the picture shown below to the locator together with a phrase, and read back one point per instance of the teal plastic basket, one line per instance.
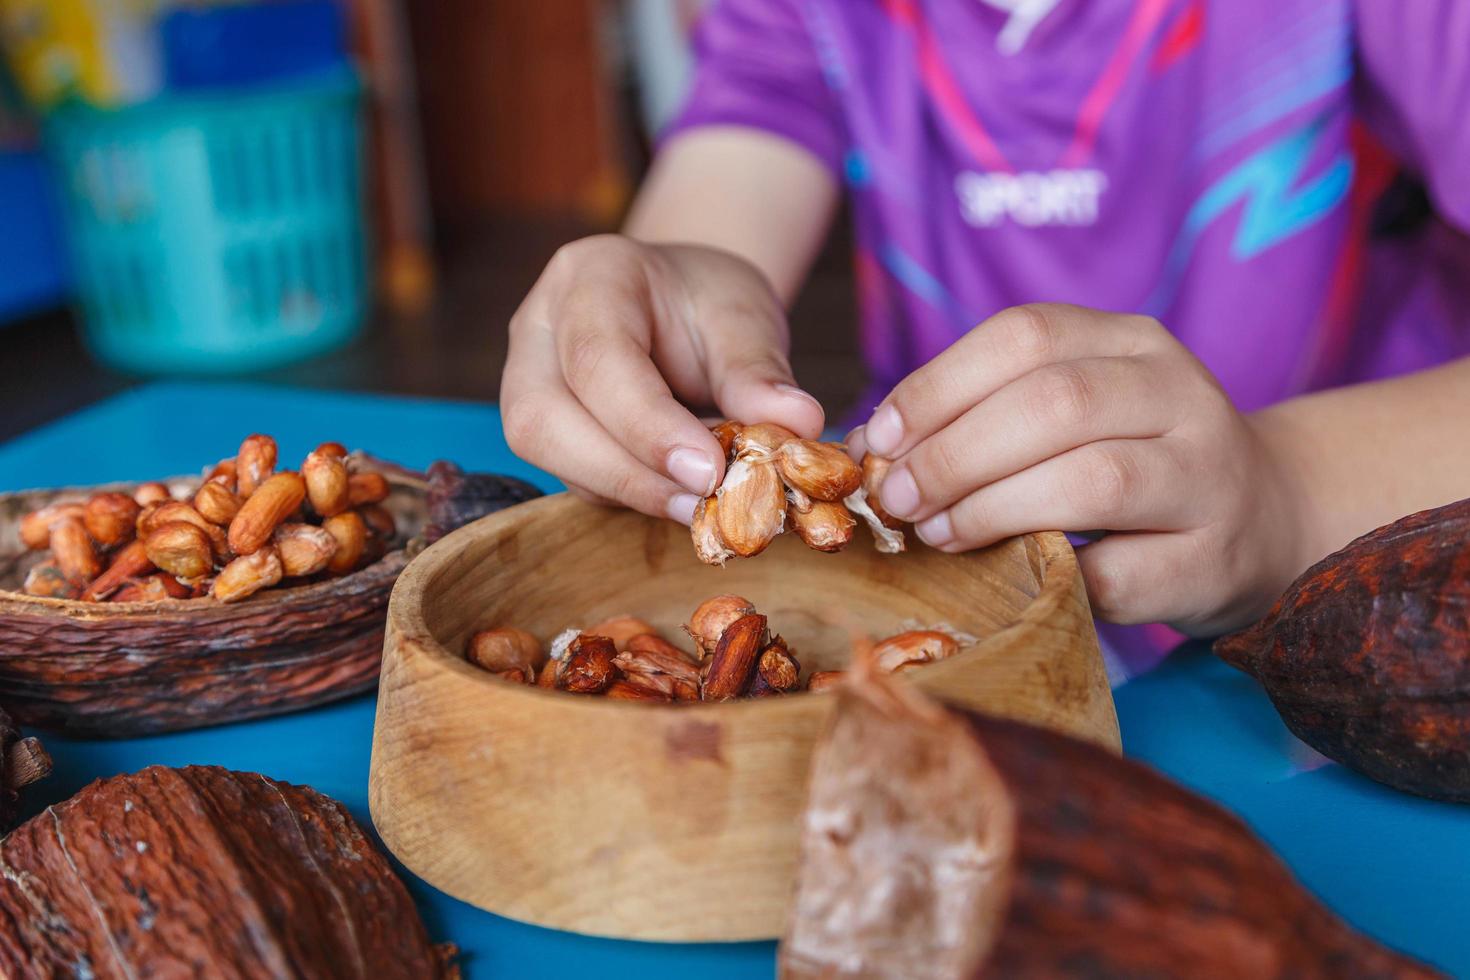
(216, 233)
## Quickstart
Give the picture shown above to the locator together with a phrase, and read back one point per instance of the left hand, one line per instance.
(1058, 417)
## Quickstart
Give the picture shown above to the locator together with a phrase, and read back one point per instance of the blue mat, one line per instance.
(1395, 866)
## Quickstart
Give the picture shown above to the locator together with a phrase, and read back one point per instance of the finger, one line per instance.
(750, 376)
(1005, 347)
(1116, 485)
(1148, 578)
(857, 444)
(681, 507)
(602, 342)
(1040, 415)
(546, 426)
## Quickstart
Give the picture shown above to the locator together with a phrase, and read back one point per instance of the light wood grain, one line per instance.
(660, 822)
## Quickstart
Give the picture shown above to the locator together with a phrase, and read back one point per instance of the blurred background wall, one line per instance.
(181, 195)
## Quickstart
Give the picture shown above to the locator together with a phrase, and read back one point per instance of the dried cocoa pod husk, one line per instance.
(456, 498)
(350, 534)
(254, 464)
(178, 510)
(506, 648)
(130, 562)
(247, 575)
(111, 519)
(73, 551)
(326, 483)
(588, 667)
(202, 871)
(762, 438)
(35, 527)
(726, 432)
(366, 488)
(22, 761)
(265, 510)
(621, 629)
(1367, 654)
(825, 680)
(941, 845)
(181, 549)
(216, 503)
(820, 470)
(147, 494)
(823, 526)
(733, 665)
(704, 529)
(752, 506)
(713, 616)
(49, 582)
(304, 549)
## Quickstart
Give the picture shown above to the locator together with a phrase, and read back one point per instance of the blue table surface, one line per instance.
(1395, 866)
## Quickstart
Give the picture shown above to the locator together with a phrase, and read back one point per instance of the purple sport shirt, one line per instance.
(1191, 159)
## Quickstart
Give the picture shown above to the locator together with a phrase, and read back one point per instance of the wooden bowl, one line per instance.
(674, 822)
(123, 669)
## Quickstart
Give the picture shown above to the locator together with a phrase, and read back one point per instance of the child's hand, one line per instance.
(1057, 417)
(614, 335)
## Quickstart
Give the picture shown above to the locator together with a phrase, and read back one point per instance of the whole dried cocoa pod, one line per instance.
(216, 503)
(265, 510)
(247, 575)
(456, 498)
(713, 617)
(181, 549)
(820, 470)
(588, 665)
(304, 549)
(752, 506)
(327, 483)
(350, 534)
(733, 666)
(506, 648)
(147, 494)
(35, 527)
(131, 562)
(823, 526)
(22, 761)
(112, 518)
(73, 551)
(49, 582)
(939, 845)
(1367, 654)
(366, 488)
(254, 464)
(203, 871)
(621, 629)
(704, 529)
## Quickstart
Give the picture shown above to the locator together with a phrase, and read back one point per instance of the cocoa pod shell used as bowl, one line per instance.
(1367, 654)
(202, 871)
(123, 669)
(941, 844)
(675, 822)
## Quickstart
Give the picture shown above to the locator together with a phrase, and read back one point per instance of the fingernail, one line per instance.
(857, 443)
(681, 507)
(884, 431)
(937, 531)
(692, 470)
(787, 389)
(899, 494)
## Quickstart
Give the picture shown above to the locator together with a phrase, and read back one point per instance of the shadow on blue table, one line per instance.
(1395, 866)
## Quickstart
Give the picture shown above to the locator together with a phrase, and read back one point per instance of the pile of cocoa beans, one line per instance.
(247, 527)
(736, 656)
(776, 482)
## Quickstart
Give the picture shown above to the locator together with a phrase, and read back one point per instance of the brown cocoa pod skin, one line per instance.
(169, 871)
(22, 761)
(1367, 654)
(1082, 863)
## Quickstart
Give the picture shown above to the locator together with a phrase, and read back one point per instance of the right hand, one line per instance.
(612, 342)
